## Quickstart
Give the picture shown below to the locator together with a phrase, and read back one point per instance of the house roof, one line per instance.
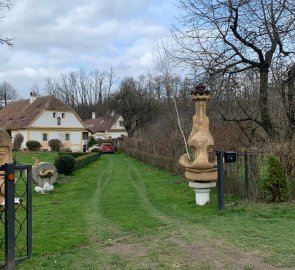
(20, 114)
(100, 124)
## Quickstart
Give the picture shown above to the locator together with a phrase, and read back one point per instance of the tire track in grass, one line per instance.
(136, 178)
(98, 226)
(120, 201)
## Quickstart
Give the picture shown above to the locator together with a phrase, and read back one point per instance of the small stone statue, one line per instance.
(44, 174)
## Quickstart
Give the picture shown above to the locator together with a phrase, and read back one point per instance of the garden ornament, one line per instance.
(199, 171)
(5, 157)
(44, 174)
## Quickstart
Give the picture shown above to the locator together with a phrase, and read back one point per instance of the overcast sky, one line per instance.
(51, 37)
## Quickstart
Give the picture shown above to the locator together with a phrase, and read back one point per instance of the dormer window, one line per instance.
(54, 115)
(63, 115)
(58, 121)
(121, 123)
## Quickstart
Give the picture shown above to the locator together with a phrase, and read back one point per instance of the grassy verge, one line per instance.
(118, 213)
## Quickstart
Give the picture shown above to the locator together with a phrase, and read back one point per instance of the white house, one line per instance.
(43, 119)
(106, 127)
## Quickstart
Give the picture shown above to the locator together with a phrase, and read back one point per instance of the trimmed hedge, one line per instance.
(33, 145)
(84, 160)
(167, 163)
(73, 154)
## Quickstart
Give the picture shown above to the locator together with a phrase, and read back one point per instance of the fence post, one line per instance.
(220, 180)
(246, 163)
(29, 211)
(9, 217)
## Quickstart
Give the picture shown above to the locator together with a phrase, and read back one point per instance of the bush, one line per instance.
(85, 160)
(91, 141)
(17, 142)
(55, 145)
(95, 150)
(73, 154)
(33, 145)
(65, 164)
(275, 185)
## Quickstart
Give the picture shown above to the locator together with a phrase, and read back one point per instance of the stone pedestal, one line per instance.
(202, 191)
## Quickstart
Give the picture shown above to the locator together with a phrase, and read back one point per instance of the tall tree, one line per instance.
(136, 106)
(7, 93)
(228, 37)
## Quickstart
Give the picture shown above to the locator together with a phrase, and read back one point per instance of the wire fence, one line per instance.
(244, 178)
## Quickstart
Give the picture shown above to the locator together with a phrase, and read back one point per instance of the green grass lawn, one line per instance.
(118, 213)
(26, 158)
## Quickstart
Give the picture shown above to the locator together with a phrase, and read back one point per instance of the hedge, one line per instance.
(84, 160)
(73, 154)
(162, 162)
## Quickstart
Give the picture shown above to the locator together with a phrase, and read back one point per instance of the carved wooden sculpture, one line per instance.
(5, 157)
(200, 140)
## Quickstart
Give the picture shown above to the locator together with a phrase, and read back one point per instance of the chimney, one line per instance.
(93, 115)
(33, 96)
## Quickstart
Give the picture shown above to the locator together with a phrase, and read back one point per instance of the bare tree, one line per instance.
(136, 107)
(7, 93)
(5, 5)
(288, 97)
(227, 37)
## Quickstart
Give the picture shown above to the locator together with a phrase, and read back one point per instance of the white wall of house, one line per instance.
(118, 124)
(117, 129)
(75, 142)
(50, 118)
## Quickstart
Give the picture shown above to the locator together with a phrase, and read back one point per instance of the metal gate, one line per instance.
(16, 215)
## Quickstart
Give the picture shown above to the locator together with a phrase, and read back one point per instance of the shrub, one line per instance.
(91, 141)
(275, 185)
(65, 164)
(33, 145)
(73, 154)
(85, 159)
(17, 142)
(95, 150)
(55, 145)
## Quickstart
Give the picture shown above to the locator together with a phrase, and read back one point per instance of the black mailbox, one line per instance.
(230, 157)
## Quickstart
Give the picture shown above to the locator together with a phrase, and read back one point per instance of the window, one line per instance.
(67, 136)
(85, 135)
(121, 123)
(63, 115)
(54, 115)
(44, 137)
(58, 121)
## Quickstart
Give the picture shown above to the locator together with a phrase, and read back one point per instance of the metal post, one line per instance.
(246, 159)
(9, 217)
(220, 181)
(29, 212)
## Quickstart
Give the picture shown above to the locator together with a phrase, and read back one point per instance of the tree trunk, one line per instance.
(266, 122)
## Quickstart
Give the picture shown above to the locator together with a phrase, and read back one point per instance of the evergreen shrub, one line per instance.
(55, 145)
(275, 185)
(65, 164)
(17, 142)
(33, 145)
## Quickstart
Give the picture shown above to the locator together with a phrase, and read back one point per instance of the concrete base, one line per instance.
(202, 191)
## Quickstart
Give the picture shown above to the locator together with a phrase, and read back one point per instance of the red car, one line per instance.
(107, 148)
